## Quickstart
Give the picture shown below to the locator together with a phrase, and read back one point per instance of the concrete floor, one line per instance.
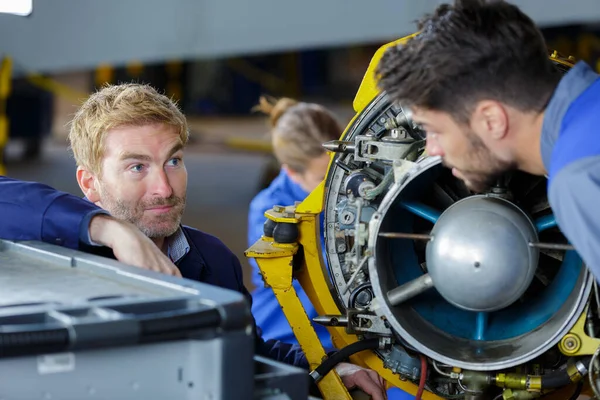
(221, 184)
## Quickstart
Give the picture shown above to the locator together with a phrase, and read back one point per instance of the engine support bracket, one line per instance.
(577, 342)
(278, 267)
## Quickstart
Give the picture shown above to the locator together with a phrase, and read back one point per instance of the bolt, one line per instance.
(570, 343)
(278, 208)
(364, 298)
(347, 217)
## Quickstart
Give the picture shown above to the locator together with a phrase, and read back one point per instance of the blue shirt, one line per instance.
(265, 308)
(570, 147)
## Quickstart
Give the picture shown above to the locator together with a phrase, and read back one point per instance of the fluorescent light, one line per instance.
(17, 7)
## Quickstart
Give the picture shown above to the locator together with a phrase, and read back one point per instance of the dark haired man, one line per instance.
(479, 81)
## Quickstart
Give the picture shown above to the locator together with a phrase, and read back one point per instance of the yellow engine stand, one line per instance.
(276, 263)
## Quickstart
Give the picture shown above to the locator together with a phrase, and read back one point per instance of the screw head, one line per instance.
(570, 343)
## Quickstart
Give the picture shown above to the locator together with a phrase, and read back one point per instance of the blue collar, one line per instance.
(291, 187)
(575, 82)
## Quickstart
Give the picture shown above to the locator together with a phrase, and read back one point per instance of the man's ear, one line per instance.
(88, 183)
(490, 117)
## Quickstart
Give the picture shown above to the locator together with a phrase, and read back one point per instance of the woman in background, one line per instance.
(298, 131)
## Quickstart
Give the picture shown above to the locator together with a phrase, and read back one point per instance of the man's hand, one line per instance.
(367, 380)
(130, 245)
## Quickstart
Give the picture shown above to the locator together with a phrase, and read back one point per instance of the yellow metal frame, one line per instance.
(275, 263)
(368, 89)
(577, 342)
(5, 88)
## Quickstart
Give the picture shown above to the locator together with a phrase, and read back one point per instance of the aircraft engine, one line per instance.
(484, 285)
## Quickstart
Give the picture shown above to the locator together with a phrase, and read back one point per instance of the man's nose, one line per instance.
(161, 185)
(433, 147)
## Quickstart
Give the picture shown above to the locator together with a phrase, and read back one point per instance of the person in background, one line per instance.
(298, 130)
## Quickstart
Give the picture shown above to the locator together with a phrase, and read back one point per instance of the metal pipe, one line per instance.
(339, 146)
(409, 290)
(400, 235)
(552, 246)
(421, 236)
(331, 320)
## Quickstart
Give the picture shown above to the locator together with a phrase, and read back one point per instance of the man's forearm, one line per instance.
(34, 211)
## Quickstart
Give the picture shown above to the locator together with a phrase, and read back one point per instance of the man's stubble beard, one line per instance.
(486, 168)
(160, 228)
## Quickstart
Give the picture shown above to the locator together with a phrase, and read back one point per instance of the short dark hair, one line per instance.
(467, 52)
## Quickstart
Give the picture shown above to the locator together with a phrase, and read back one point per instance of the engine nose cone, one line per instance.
(479, 258)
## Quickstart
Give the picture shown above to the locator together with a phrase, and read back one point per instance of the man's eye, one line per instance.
(175, 161)
(137, 168)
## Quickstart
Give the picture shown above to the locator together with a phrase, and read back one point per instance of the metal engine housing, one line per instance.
(380, 182)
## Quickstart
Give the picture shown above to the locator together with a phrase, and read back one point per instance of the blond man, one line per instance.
(128, 141)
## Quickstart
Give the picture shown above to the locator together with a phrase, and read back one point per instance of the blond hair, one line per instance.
(116, 106)
(298, 130)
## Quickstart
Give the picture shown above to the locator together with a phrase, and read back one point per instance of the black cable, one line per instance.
(556, 379)
(341, 355)
(578, 390)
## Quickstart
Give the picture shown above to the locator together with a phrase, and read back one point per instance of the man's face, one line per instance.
(462, 149)
(143, 178)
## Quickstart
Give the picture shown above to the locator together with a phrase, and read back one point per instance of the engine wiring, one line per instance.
(423, 378)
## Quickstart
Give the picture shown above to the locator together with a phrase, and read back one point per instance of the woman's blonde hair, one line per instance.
(298, 130)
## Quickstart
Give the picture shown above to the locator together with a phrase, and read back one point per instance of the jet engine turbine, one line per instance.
(485, 286)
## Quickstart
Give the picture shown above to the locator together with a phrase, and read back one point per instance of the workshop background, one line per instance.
(216, 58)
